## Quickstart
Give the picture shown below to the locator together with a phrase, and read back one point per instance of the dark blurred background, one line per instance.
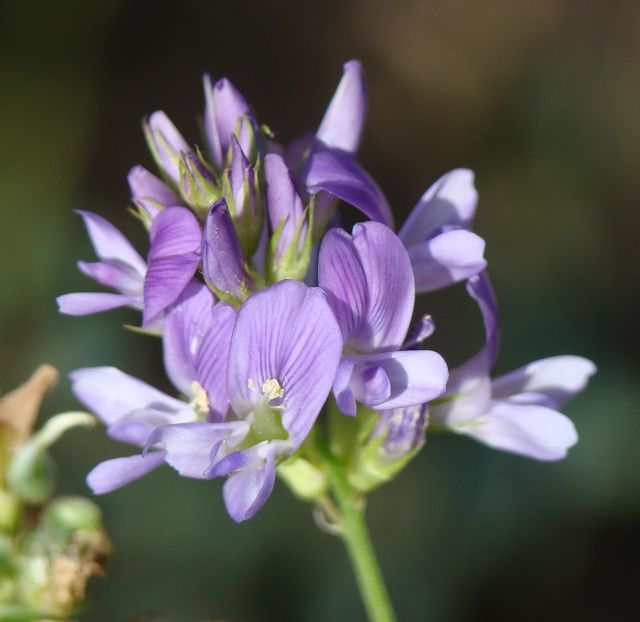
(541, 99)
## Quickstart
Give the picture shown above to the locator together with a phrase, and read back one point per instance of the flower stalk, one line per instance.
(355, 535)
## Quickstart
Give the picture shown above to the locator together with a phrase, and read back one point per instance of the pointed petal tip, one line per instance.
(352, 65)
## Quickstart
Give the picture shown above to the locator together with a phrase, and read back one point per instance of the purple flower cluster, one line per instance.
(265, 309)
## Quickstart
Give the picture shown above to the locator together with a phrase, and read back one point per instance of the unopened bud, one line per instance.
(165, 144)
(291, 223)
(197, 184)
(222, 260)
(241, 186)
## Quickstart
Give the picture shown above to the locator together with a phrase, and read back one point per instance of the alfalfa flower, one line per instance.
(370, 285)
(255, 386)
(516, 412)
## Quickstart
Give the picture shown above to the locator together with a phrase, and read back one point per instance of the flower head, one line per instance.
(236, 236)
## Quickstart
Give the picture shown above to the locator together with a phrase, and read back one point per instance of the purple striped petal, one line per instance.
(342, 391)
(173, 259)
(469, 385)
(115, 274)
(373, 300)
(450, 201)
(447, 258)
(86, 303)
(212, 360)
(246, 491)
(109, 243)
(343, 122)
(222, 258)
(191, 447)
(394, 379)
(338, 174)
(150, 192)
(371, 385)
(390, 284)
(287, 333)
(113, 395)
(480, 289)
(528, 430)
(557, 377)
(341, 275)
(403, 430)
(118, 472)
(185, 326)
(137, 427)
(224, 106)
(239, 172)
(283, 201)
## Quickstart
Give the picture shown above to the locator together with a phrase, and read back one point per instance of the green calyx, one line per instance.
(246, 207)
(294, 261)
(198, 190)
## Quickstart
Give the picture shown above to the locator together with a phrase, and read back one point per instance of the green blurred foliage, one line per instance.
(540, 99)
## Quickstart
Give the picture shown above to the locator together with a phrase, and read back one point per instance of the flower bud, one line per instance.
(224, 106)
(149, 193)
(165, 144)
(241, 188)
(197, 185)
(396, 438)
(222, 259)
(291, 223)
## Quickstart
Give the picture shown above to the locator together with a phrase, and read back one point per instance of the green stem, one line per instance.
(356, 537)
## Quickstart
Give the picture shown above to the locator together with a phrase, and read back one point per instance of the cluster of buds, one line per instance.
(270, 314)
(49, 547)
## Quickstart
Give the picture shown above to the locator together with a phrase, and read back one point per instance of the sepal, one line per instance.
(197, 184)
(242, 191)
(166, 144)
(292, 261)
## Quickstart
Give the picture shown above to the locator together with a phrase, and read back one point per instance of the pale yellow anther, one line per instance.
(272, 389)
(200, 401)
